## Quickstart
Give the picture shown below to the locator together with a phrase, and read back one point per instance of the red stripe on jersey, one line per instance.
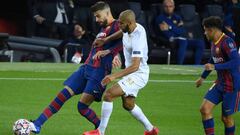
(97, 62)
(228, 81)
(237, 102)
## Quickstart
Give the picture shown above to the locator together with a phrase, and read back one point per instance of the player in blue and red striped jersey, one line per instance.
(87, 79)
(226, 89)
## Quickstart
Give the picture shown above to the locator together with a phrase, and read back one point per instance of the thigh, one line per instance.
(94, 88)
(131, 84)
(230, 104)
(214, 95)
(77, 81)
(207, 105)
(115, 91)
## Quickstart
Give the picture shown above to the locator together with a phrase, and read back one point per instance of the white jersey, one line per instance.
(135, 45)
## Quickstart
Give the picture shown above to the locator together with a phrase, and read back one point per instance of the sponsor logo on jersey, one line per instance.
(101, 35)
(136, 52)
(217, 59)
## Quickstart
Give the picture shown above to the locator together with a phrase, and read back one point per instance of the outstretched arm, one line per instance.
(101, 41)
(134, 67)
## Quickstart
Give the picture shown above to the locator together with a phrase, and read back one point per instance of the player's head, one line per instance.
(168, 6)
(127, 20)
(212, 25)
(102, 13)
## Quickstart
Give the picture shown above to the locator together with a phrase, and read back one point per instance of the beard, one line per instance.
(126, 29)
(104, 23)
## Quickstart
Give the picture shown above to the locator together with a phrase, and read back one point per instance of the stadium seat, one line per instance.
(140, 15)
(213, 10)
(159, 52)
(193, 27)
(34, 46)
(6, 54)
(192, 22)
(156, 8)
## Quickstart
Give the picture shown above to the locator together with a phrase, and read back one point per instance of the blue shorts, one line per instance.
(230, 100)
(87, 80)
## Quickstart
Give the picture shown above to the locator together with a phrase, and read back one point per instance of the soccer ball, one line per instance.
(22, 127)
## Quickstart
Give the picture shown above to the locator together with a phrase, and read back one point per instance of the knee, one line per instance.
(82, 108)
(128, 106)
(227, 120)
(205, 111)
(108, 96)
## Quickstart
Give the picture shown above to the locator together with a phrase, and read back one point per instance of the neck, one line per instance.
(132, 28)
(217, 35)
(110, 20)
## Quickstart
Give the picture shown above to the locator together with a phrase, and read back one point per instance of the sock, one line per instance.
(209, 126)
(88, 113)
(230, 130)
(106, 113)
(139, 115)
(53, 108)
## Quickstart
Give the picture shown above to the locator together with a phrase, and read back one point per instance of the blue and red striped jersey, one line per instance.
(114, 46)
(226, 60)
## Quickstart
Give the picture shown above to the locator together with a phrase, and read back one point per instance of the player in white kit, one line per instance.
(134, 76)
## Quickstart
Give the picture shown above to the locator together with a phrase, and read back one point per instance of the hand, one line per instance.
(100, 54)
(116, 63)
(209, 67)
(40, 19)
(199, 82)
(164, 26)
(107, 79)
(98, 42)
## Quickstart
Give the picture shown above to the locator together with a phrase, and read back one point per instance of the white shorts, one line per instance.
(132, 83)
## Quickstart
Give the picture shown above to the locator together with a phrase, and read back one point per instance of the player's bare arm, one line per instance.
(100, 54)
(209, 66)
(134, 67)
(199, 82)
(101, 41)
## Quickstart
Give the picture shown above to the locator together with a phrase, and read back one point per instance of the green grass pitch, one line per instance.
(170, 100)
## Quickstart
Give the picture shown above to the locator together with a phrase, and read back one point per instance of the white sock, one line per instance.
(106, 113)
(139, 115)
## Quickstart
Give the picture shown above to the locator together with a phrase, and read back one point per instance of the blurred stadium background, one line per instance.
(18, 28)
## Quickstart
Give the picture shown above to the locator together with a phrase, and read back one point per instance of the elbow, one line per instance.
(135, 68)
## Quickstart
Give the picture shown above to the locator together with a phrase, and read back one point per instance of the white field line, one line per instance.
(62, 79)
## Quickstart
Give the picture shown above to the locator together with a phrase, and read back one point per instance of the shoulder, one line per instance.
(139, 30)
(228, 43)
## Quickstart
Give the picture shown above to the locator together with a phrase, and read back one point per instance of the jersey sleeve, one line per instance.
(138, 45)
(117, 44)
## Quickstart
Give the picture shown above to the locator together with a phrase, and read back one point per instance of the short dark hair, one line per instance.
(82, 25)
(101, 5)
(213, 22)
